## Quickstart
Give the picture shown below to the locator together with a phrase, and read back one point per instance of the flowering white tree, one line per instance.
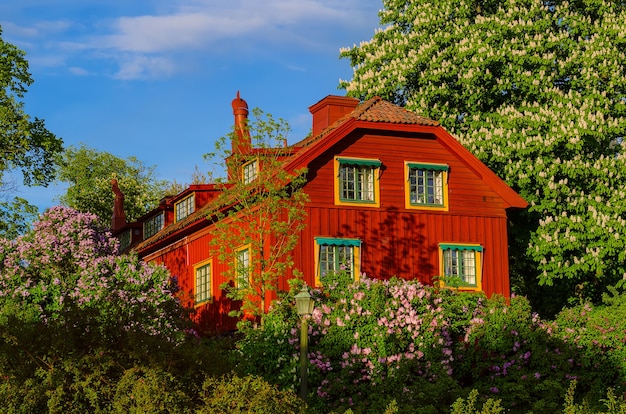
(537, 90)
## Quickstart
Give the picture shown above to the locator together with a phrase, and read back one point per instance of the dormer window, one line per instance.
(250, 171)
(152, 225)
(184, 207)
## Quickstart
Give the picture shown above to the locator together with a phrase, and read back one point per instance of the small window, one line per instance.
(242, 267)
(463, 264)
(125, 240)
(202, 289)
(427, 186)
(184, 207)
(152, 226)
(357, 181)
(250, 171)
(334, 255)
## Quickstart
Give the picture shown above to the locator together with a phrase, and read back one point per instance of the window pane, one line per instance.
(336, 258)
(250, 172)
(243, 269)
(203, 283)
(185, 207)
(426, 186)
(152, 226)
(356, 183)
(124, 239)
(460, 263)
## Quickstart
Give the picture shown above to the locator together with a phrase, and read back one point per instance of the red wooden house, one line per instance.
(391, 193)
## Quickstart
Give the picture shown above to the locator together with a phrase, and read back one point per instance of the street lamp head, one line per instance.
(304, 302)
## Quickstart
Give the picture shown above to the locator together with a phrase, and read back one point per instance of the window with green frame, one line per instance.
(358, 180)
(203, 282)
(242, 267)
(427, 184)
(184, 207)
(462, 262)
(334, 255)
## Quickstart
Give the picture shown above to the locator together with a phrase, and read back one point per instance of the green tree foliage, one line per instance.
(25, 144)
(16, 217)
(537, 90)
(262, 212)
(89, 173)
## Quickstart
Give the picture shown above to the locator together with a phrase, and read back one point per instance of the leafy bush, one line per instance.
(249, 394)
(600, 330)
(508, 353)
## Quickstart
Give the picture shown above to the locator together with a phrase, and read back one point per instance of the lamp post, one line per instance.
(304, 306)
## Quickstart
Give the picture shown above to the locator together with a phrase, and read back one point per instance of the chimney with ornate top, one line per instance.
(241, 142)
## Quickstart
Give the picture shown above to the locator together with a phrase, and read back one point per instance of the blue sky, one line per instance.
(155, 78)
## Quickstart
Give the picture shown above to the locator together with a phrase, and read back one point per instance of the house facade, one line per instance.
(390, 193)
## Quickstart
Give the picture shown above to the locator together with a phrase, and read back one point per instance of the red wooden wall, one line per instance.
(397, 241)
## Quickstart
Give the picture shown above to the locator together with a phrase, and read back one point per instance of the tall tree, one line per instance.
(89, 173)
(259, 212)
(537, 90)
(25, 144)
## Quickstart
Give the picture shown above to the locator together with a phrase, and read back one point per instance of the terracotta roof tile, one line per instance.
(377, 110)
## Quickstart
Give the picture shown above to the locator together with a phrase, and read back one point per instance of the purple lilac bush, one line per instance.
(380, 341)
(67, 271)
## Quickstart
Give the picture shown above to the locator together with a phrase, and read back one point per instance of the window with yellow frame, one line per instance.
(203, 281)
(250, 171)
(426, 186)
(335, 255)
(242, 267)
(357, 181)
(461, 265)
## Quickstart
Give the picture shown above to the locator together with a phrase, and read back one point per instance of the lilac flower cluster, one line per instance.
(377, 331)
(67, 267)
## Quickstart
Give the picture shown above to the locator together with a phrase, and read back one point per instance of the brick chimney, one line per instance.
(118, 220)
(241, 143)
(330, 109)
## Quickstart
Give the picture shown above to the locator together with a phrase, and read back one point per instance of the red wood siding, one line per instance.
(397, 241)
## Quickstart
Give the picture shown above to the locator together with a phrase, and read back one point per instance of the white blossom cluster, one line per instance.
(536, 91)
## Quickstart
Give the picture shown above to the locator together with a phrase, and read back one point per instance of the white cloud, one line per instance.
(144, 67)
(205, 24)
(78, 71)
(148, 38)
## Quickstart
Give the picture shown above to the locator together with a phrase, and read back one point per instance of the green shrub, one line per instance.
(149, 390)
(468, 406)
(601, 332)
(249, 394)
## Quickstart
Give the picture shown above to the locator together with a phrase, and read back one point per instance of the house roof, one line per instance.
(374, 113)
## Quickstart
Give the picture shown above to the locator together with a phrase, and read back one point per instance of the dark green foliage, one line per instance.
(249, 394)
(89, 172)
(25, 144)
